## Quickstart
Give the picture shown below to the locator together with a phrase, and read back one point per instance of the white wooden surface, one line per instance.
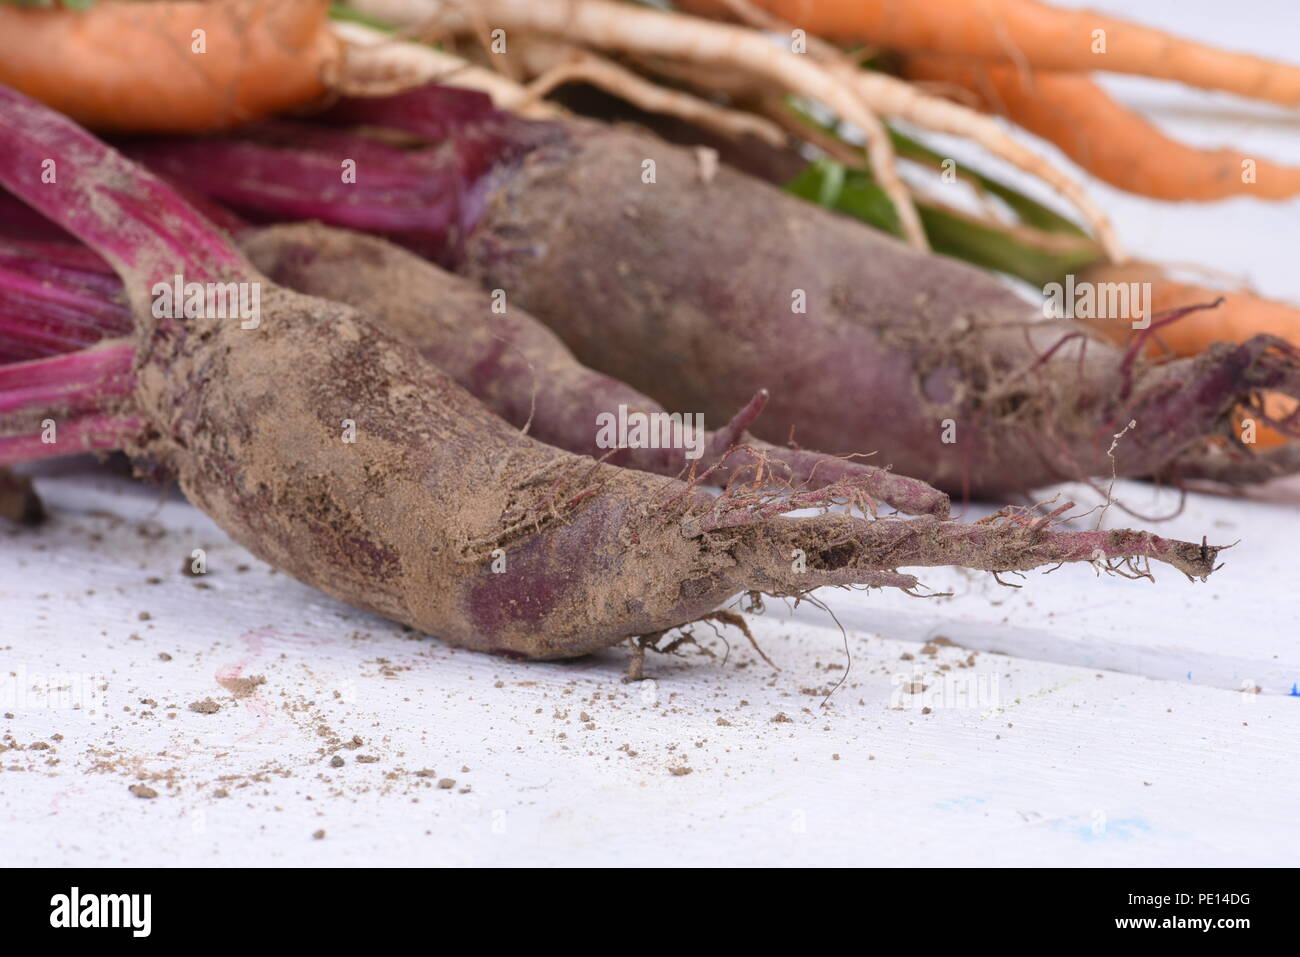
(1100, 721)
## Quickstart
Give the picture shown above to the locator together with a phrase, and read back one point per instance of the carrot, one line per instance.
(436, 513)
(1035, 34)
(1106, 138)
(177, 65)
(1239, 316)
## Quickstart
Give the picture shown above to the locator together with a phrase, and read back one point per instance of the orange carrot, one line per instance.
(1035, 34)
(1240, 316)
(1106, 138)
(173, 66)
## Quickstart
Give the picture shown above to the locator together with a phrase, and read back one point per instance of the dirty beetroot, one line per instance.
(410, 519)
(685, 289)
(506, 359)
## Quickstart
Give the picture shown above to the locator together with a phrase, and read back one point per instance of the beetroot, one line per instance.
(331, 450)
(56, 297)
(689, 288)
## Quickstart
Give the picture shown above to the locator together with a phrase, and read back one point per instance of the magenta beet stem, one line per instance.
(131, 218)
(88, 433)
(80, 380)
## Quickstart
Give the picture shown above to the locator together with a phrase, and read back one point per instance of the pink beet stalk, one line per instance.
(87, 433)
(56, 297)
(134, 222)
(65, 404)
(427, 198)
(435, 112)
(78, 381)
(411, 198)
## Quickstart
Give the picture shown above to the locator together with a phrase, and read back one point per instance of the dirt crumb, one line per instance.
(206, 706)
(242, 687)
(18, 499)
(143, 791)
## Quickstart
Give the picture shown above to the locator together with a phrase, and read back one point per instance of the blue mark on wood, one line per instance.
(1102, 829)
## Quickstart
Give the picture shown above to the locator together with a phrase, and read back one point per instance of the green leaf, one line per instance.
(1031, 212)
(1036, 256)
(343, 11)
(830, 184)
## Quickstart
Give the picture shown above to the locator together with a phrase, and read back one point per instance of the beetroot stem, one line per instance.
(128, 216)
(80, 380)
(87, 433)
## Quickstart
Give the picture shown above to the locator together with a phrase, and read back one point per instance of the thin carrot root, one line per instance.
(1036, 35)
(377, 64)
(611, 26)
(857, 96)
(1239, 315)
(1109, 140)
(555, 67)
